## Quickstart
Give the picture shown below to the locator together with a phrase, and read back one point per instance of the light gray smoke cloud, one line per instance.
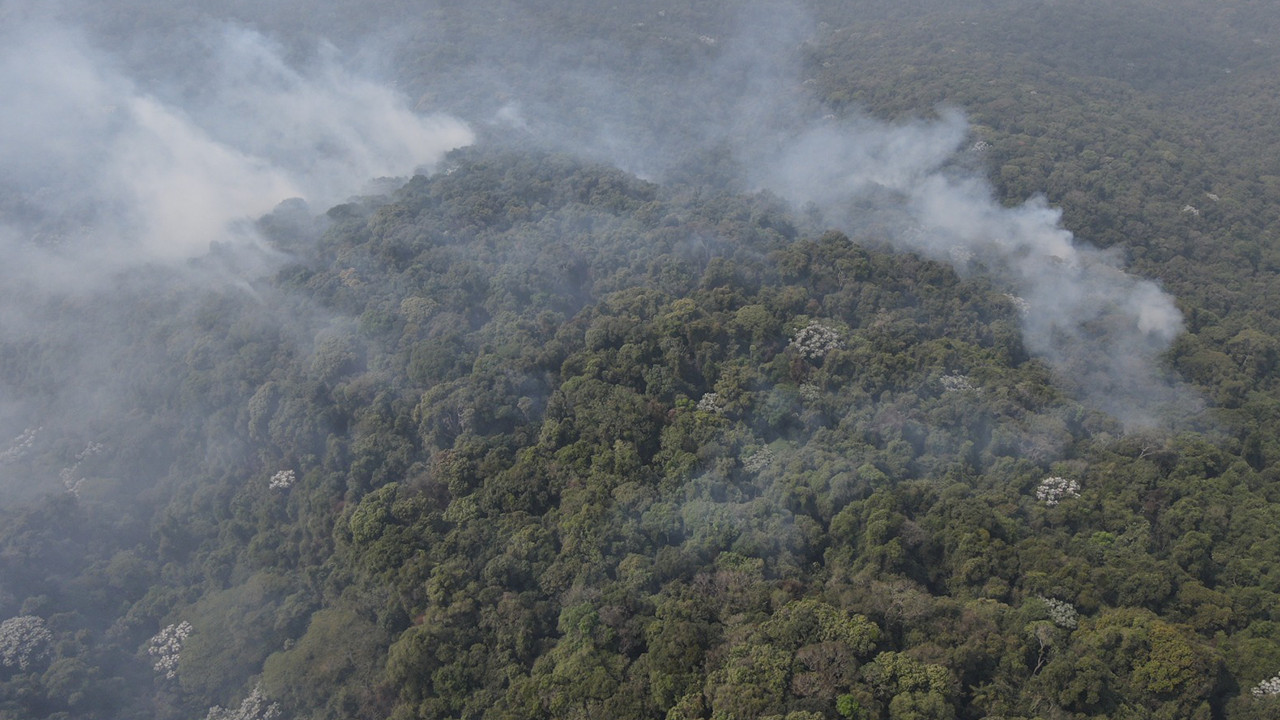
(913, 184)
(1100, 328)
(116, 178)
(162, 174)
(125, 175)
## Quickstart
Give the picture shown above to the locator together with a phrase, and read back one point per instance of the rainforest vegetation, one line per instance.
(532, 437)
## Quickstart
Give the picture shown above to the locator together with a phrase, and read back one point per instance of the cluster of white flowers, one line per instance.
(960, 255)
(816, 340)
(1063, 614)
(1020, 304)
(166, 647)
(70, 481)
(283, 480)
(710, 403)
(23, 640)
(981, 145)
(1053, 490)
(810, 393)
(707, 40)
(68, 474)
(1268, 687)
(21, 445)
(759, 461)
(956, 383)
(1191, 209)
(253, 707)
(1212, 197)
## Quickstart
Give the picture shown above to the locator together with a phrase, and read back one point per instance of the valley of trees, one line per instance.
(533, 438)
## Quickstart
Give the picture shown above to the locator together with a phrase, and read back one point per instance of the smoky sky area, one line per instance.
(141, 134)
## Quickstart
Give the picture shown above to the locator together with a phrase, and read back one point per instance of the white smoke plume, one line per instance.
(1101, 329)
(124, 174)
(115, 175)
(160, 174)
(913, 184)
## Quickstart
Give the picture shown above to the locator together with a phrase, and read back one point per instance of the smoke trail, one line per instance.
(110, 181)
(124, 175)
(1101, 329)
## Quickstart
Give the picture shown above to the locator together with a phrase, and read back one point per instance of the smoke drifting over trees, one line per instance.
(161, 175)
(103, 171)
(526, 361)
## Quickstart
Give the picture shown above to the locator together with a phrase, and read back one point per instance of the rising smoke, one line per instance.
(121, 170)
(115, 183)
(96, 168)
(917, 185)
(911, 184)
(1099, 328)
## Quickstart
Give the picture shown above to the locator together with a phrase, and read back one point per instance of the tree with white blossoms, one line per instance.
(710, 403)
(810, 393)
(1020, 304)
(960, 255)
(1268, 688)
(23, 640)
(21, 445)
(815, 340)
(1053, 490)
(1062, 614)
(166, 648)
(68, 474)
(70, 482)
(283, 480)
(253, 707)
(758, 461)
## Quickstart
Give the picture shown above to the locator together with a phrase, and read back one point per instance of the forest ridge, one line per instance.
(530, 436)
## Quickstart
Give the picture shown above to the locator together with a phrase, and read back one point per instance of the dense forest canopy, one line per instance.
(657, 360)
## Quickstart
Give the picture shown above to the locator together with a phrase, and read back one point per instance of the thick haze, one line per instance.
(274, 437)
(124, 145)
(919, 186)
(98, 168)
(740, 113)
(1101, 329)
(745, 117)
(115, 174)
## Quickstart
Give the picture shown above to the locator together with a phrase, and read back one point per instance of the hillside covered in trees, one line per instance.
(564, 428)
